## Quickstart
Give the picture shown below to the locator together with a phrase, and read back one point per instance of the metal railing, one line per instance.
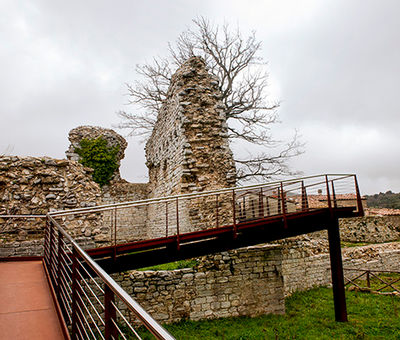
(93, 305)
(176, 215)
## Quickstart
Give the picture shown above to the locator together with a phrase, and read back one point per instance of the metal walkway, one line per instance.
(93, 306)
(27, 308)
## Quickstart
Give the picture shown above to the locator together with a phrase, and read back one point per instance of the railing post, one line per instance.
(261, 203)
(115, 235)
(51, 246)
(279, 202)
(334, 195)
(74, 302)
(283, 207)
(46, 245)
(109, 314)
(60, 240)
(217, 208)
(368, 279)
(253, 209)
(328, 195)
(244, 211)
(178, 246)
(304, 198)
(360, 207)
(267, 202)
(234, 213)
(166, 219)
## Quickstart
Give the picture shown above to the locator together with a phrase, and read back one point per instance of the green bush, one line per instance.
(95, 154)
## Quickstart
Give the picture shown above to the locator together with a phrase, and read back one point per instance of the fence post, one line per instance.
(368, 279)
(109, 314)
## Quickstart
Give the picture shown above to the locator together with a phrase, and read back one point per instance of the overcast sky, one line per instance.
(334, 65)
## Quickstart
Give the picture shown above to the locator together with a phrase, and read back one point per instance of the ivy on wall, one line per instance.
(95, 154)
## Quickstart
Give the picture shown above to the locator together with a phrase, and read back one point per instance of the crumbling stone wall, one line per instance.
(92, 132)
(370, 229)
(188, 149)
(245, 281)
(34, 186)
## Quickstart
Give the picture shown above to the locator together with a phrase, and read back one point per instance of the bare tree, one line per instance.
(242, 78)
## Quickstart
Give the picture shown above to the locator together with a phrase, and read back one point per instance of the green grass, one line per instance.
(353, 244)
(309, 315)
(172, 265)
(345, 244)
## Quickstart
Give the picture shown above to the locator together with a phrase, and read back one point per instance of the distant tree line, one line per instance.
(388, 200)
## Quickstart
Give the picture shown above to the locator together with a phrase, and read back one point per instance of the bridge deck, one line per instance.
(27, 309)
(151, 252)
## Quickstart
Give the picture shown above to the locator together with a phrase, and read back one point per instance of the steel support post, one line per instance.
(109, 314)
(337, 271)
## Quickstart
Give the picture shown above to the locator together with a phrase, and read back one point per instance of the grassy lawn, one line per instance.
(172, 265)
(309, 315)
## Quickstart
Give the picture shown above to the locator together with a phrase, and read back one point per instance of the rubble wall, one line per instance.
(37, 185)
(370, 229)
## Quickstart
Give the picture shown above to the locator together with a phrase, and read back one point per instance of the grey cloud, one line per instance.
(336, 63)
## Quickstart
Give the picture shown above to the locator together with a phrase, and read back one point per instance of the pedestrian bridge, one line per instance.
(89, 304)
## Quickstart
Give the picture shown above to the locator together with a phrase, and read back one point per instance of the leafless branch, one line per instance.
(235, 60)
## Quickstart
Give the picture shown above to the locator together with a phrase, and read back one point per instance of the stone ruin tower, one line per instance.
(188, 149)
(92, 132)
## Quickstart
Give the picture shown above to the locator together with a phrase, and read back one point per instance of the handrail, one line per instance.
(185, 196)
(141, 314)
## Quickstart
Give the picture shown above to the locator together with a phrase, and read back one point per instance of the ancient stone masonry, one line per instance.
(245, 281)
(35, 186)
(92, 132)
(189, 149)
